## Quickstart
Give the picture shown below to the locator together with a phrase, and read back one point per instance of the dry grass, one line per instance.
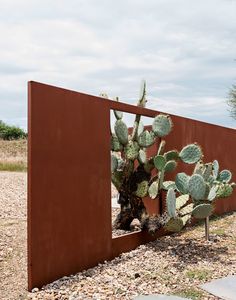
(13, 155)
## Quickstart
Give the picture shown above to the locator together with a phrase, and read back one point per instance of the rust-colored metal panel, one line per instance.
(69, 192)
(131, 241)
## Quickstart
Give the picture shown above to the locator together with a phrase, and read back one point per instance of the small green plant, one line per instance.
(136, 175)
(13, 167)
(199, 274)
(11, 132)
(190, 293)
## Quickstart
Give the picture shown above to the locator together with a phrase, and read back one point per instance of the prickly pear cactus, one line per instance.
(136, 175)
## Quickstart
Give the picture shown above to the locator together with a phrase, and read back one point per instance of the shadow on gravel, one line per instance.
(190, 251)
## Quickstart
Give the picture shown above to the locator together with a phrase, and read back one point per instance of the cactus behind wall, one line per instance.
(135, 175)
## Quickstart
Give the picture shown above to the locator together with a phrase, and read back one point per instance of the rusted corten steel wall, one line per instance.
(69, 191)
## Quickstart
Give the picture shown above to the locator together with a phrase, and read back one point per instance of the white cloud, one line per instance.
(184, 49)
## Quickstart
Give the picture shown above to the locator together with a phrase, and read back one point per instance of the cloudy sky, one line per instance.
(185, 50)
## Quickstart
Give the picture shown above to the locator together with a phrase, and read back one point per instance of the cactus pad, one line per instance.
(181, 201)
(186, 210)
(159, 162)
(114, 163)
(142, 156)
(174, 224)
(171, 155)
(146, 139)
(171, 203)
(224, 190)
(153, 190)
(203, 211)
(140, 128)
(207, 171)
(212, 193)
(215, 168)
(190, 154)
(170, 166)
(142, 189)
(162, 125)
(224, 176)
(168, 184)
(115, 144)
(181, 182)
(197, 187)
(132, 150)
(121, 131)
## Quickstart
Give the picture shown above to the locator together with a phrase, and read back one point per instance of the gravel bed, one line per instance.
(171, 265)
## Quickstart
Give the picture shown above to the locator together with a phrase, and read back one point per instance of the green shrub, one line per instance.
(11, 132)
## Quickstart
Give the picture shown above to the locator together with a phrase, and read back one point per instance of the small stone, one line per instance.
(136, 275)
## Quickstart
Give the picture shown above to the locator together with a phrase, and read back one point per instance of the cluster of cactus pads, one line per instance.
(136, 175)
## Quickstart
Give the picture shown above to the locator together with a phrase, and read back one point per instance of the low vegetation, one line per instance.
(13, 155)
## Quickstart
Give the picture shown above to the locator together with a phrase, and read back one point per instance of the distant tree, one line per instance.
(11, 132)
(232, 101)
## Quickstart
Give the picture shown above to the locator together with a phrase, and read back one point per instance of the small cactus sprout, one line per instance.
(162, 125)
(121, 131)
(114, 163)
(153, 190)
(142, 189)
(191, 154)
(197, 187)
(146, 139)
(181, 182)
(225, 176)
(171, 203)
(202, 211)
(159, 162)
(142, 96)
(132, 150)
